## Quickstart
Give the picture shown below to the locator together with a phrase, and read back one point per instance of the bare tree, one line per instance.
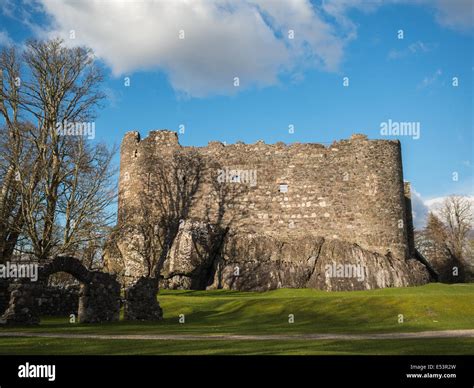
(86, 194)
(12, 151)
(435, 230)
(456, 214)
(62, 190)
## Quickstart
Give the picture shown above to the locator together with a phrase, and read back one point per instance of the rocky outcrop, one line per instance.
(141, 303)
(259, 263)
(265, 263)
(193, 253)
(344, 266)
(255, 262)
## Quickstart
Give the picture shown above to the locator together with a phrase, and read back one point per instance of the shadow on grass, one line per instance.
(432, 307)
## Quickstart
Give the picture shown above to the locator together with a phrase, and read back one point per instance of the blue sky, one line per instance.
(283, 82)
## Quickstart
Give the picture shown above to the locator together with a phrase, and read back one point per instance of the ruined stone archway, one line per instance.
(99, 297)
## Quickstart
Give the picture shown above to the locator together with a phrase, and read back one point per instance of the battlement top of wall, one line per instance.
(166, 137)
(159, 136)
(359, 136)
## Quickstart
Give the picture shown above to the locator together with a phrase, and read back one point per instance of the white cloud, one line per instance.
(430, 80)
(7, 8)
(5, 39)
(422, 207)
(223, 39)
(455, 14)
(419, 209)
(413, 48)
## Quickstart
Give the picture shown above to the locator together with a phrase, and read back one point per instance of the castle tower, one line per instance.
(352, 190)
(350, 195)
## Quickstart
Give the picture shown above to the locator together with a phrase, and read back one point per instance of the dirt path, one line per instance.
(238, 337)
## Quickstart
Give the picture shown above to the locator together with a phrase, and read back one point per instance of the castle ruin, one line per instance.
(301, 215)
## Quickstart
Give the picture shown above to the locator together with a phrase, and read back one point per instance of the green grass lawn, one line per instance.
(55, 346)
(430, 307)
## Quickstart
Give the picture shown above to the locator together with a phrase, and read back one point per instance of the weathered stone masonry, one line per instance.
(351, 192)
(99, 295)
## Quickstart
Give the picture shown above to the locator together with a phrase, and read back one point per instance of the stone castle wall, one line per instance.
(352, 190)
